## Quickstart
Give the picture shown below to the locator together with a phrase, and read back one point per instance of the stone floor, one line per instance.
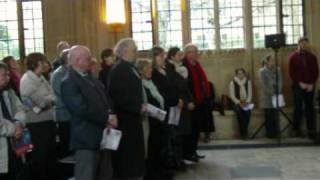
(286, 163)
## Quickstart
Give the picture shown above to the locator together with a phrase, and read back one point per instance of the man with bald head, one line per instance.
(125, 90)
(85, 99)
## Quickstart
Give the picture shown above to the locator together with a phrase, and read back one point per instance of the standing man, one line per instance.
(61, 114)
(62, 45)
(304, 72)
(125, 90)
(85, 99)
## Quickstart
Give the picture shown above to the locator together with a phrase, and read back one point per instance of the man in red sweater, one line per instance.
(303, 71)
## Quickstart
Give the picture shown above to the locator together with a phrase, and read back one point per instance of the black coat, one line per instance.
(181, 87)
(86, 101)
(104, 76)
(125, 90)
(166, 88)
(202, 114)
(151, 100)
(155, 144)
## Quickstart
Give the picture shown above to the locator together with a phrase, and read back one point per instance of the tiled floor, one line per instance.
(294, 163)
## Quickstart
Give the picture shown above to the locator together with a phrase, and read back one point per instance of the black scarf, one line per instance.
(4, 108)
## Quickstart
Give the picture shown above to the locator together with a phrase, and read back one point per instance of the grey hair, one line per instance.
(190, 45)
(142, 63)
(64, 56)
(61, 44)
(266, 59)
(122, 46)
(75, 52)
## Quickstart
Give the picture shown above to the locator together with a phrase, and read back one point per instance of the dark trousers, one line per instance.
(243, 119)
(64, 136)
(159, 149)
(43, 159)
(194, 138)
(181, 144)
(104, 165)
(187, 147)
(178, 148)
(272, 124)
(14, 164)
(303, 105)
(191, 141)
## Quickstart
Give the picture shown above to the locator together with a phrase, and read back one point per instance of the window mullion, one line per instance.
(185, 15)
(155, 26)
(217, 24)
(248, 28)
(21, 29)
(130, 17)
(279, 16)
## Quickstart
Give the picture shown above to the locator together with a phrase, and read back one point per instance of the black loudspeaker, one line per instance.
(275, 41)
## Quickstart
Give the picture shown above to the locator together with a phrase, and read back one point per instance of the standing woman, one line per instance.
(268, 83)
(200, 90)
(36, 92)
(14, 73)
(47, 70)
(178, 73)
(161, 79)
(155, 132)
(107, 61)
(12, 117)
(241, 95)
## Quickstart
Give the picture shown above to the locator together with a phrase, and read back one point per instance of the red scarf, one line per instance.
(196, 81)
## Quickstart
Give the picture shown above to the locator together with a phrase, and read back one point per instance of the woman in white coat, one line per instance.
(12, 117)
(37, 94)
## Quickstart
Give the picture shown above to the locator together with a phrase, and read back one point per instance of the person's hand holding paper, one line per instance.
(111, 139)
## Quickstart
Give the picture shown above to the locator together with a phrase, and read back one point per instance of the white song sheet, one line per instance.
(281, 101)
(111, 139)
(156, 113)
(174, 115)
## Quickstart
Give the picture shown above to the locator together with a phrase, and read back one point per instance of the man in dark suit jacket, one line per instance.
(125, 90)
(86, 101)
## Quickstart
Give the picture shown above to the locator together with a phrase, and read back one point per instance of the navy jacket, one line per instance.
(87, 103)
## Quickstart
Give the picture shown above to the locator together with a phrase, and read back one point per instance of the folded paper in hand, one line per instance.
(248, 107)
(156, 113)
(174, 115)
(281, 101)
(111, 139)
(23, 145)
